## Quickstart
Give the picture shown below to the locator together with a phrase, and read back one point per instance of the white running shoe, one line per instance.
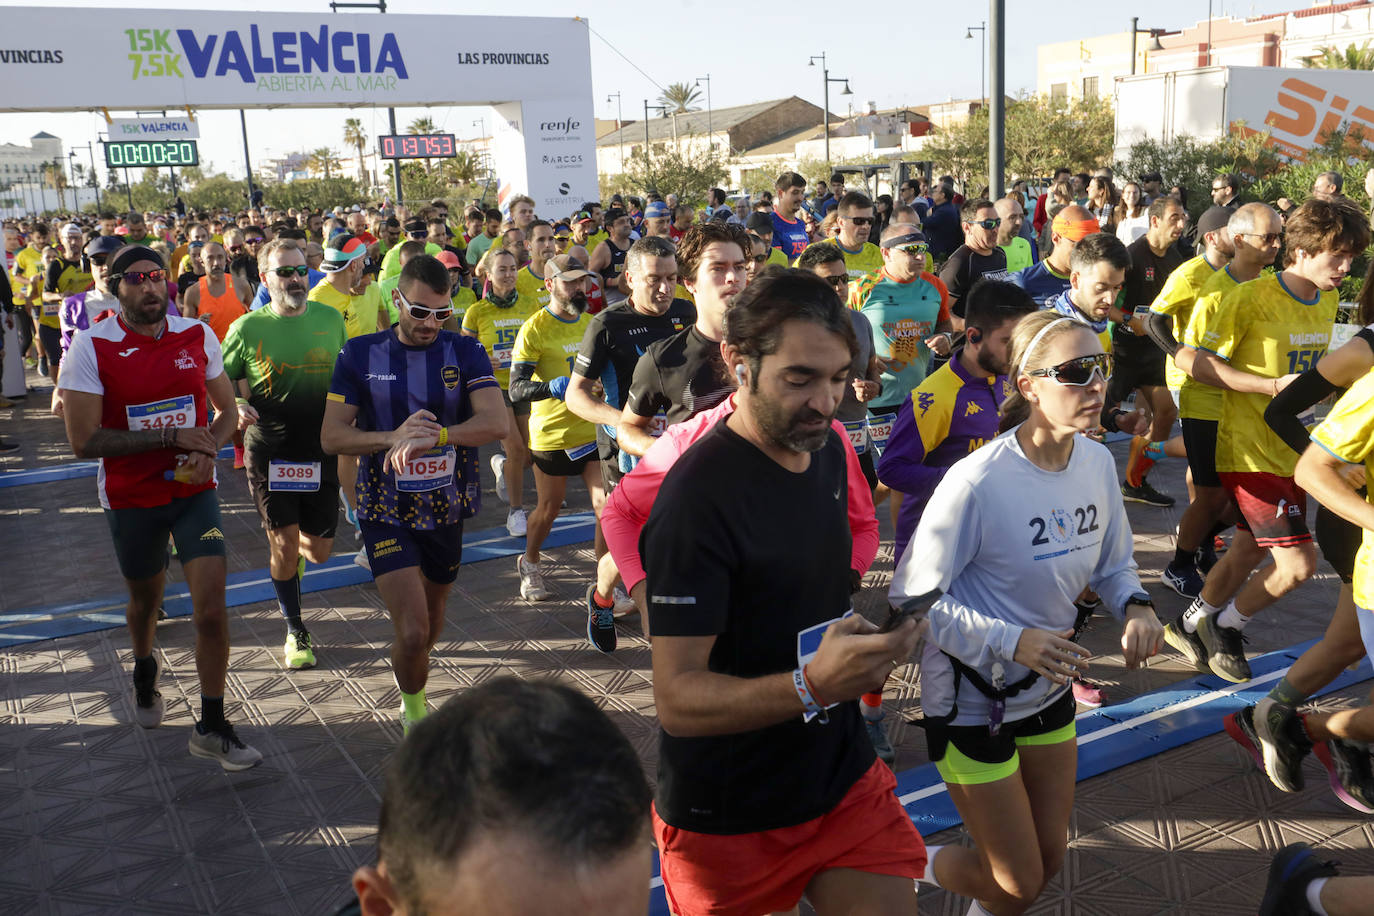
(531, 580)
(498, 467)
(360, 559)
(224, 745)
(624, 604)
(516, 523)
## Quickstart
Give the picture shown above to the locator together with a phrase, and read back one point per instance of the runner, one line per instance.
(1049, 277)
(1020, 250)
(760, 229)
(495, 321)
(766, 788)
(1012, 535)
(682, 375)
(1237, 353)
(542, 246)
(63, 277)
(855, 221)
(479, 244)
(135, 387)
(281, 357)
(979, 256)
(27, 292)
(608, 257)
(789, 234)
(562, 444)
(415, 402)
(611, 346)
(217, 299)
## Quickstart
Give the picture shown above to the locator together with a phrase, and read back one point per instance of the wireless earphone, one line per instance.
(973, 335)
(742, 376)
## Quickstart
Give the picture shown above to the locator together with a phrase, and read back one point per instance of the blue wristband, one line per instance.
(559, 387)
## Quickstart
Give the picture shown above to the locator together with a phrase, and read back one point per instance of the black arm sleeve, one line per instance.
(6, 292)
(1161, 331)
(523, 387)
(1282, 412)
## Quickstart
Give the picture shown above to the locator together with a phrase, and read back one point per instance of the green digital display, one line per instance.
(148, 154)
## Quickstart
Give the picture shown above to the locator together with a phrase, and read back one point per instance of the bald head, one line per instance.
(1075, 213)
(1253, 218)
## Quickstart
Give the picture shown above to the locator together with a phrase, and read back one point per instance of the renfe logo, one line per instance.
(290, 52)
(566, 126)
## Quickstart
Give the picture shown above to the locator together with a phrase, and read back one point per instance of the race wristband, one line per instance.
(443, 435)
(813, 708)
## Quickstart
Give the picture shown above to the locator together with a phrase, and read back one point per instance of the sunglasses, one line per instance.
(139, 277)
(255, 241)
(422, 313)
(297, 271)
(918, 251)
(839, 281)
(987, 223)
(418, 234)
(235, 247)
(1078, 371)
(1219, 187)
(859, 220)
(1268, 238)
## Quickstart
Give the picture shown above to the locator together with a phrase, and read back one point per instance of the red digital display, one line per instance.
(417, 146)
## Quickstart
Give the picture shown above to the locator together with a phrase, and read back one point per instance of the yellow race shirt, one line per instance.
(1019, 255)
(360, 312)
(550, 343)
(27, 265)
(531, 284)
(594, 241)
(1198, 400)
(1348, 433)
(496, 329)
(866, 260)
(1261, 328)
(775, 256)
(1176, 300)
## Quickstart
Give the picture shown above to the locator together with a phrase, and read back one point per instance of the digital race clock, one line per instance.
(146, 154)
(417, 146)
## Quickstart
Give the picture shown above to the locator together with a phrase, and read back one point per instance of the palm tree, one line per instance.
(423, 126)
(356, 137)
(323, 160)
(1352, 58)
(680, 98)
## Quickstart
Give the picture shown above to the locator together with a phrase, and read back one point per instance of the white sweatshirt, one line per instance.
(1012, 546)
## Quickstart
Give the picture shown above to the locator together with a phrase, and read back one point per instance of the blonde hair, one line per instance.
(1030, 341)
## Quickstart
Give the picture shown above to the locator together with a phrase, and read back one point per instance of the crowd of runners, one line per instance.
(739, 388)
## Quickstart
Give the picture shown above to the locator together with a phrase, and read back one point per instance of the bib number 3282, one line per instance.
(430, 471)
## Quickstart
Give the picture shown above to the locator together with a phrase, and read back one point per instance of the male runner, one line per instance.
(1259, 335)
(1049, 277)
(415, 401)
(562, 444)
(62, 278)
(281, 357)
(1018, 249)
(760, 229)
(218, 298)
(135, 387)
(978, 257)
(683, 375)
(611, 346)
(608, 258)
(542, 246)
(767, 789)
(855, 221)
(789, 231)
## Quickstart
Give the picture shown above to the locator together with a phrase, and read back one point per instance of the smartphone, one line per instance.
(915, 607)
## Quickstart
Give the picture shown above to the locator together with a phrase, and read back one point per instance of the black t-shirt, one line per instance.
(739, 548)
(680, 375)
(617, 337)
(1144, 279)
(186, 281)
(966, 267)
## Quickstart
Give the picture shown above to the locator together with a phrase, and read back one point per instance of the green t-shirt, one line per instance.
(391, 264)
(288, 363)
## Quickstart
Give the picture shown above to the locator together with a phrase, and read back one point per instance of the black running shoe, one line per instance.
(1241, 727)
(1146, 494)
(1283, 742)
(1189, 645)
(600, 623)
(1185, 580)
(1293, 868)
(1225, 650)
(1348, 770)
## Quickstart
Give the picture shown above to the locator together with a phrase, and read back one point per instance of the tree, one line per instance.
(680, 98)
(356, 137)
(323, 160)
(688, 173)
(1331, 58)
(423, 126)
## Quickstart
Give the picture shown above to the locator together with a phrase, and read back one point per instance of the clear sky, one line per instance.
(908, 54)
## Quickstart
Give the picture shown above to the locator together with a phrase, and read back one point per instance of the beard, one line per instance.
(990, 365)
(293, 296)
(578, 302)
(787, 431)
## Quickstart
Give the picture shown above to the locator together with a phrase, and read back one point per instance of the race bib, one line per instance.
(177, 413)
(502, 355)
(301, 476)
(879, 433)
(430, 471)
(857, 431)
(582, 451)
(658, 425)
(52, 309)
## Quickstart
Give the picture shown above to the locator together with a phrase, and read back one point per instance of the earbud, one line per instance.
(973, 335)
(741, 376)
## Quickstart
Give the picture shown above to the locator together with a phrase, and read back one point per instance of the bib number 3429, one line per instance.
(177, 413)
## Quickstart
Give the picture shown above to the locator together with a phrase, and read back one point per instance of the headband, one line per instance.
(1035, 341)
(132, 254)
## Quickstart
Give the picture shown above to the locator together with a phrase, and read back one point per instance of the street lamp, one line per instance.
(619, 125)
(661, 109)
(982, 57)
(825, 82)
(1151, 48)
(71, 164)
(710, 135)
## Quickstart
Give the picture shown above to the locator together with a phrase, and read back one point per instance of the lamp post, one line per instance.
(661, 109)
(619, 126)
(379, 6)
(95, 180)
(1153, 46)
(825, 82)
(710, 134)
(71, 163)
(982, 57)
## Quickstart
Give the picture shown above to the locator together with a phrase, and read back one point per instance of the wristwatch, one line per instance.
(1142, 599)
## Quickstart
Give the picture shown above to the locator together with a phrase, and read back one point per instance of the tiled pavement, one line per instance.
(101, 816)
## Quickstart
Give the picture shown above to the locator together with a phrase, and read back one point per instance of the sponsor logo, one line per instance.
(1303, 114)
(30, 56)
(503, 58)
(450, 377)
(184, 360)
(128, 351)
(324, 51)
(566, 126)
(214, 534)
(380, 377)
(972, 409)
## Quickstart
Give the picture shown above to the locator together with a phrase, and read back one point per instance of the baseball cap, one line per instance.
(565, 267)
(342, 250)
(103, 244)
(584, 217)
(449, 260)
(416, 225)
(759, 222)
(1075, 229)
(656, 210)
(1212, 219)
(71, 229)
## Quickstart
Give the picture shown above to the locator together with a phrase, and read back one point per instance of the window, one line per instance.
(1059, 92)
(1089, 87)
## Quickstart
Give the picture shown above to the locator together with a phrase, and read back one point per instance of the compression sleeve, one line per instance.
(1161, 330)
(523, 387)
(1282, 412)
